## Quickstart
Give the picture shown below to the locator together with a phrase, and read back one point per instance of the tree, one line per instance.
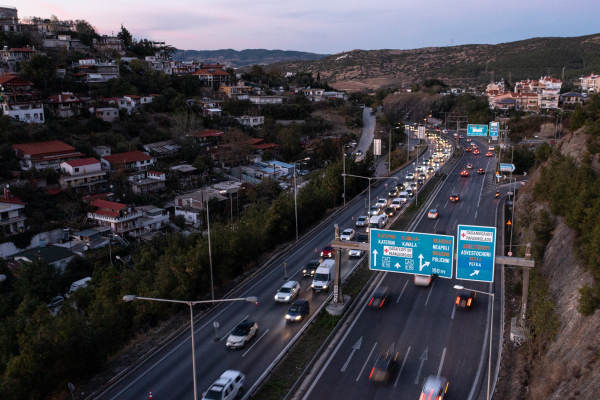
(237, 146)
(37, 280)
(41, 70)
(125, 37)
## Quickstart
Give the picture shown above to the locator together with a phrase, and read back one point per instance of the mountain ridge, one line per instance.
(247, 57)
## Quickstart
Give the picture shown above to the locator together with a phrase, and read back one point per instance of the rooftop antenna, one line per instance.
(563, 74)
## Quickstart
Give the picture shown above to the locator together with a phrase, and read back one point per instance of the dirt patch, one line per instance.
(574, 144)
(337, 121)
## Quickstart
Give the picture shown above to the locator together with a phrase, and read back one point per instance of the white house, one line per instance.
(251, 121)
(266, 99)
(12, 217)
(135, 160)
(85, 173)
(107, 114)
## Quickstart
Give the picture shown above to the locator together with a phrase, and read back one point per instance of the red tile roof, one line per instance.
(209, 133)
(265, 146)
(13, 80)
(124, 158)
(113, 214)
(52, 146)
(156, 172)
(82, 162)
(90, 199)
(210, 72)
(64, 98)
(53, 191)
(108, 205)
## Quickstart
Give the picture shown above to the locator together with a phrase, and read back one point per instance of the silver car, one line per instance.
(287, 292)
(434, 388)
(374, 210)
(241, 335)
(362, 220)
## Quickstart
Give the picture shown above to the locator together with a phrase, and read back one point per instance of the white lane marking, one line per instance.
(446, 203)
(441, 363)
(312, 386)
(365, 364)
(453, 189)
(308, 288)
(233, 328)
(354, 348)
(475, 214)
(402, 367)
(430, 290)
(257, 340)
(453, 311)
(454, 224)
(461, 204)
(438, 220)
(467, 191)
(397, 301)
(483, 350)
(423, 358)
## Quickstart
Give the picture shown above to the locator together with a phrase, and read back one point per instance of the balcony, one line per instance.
(107, 218)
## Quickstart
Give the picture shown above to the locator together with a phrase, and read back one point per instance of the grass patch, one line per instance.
(285, 375)
(412, 210)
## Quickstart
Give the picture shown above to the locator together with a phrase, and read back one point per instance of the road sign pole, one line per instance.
(525, 287)
(338, 298)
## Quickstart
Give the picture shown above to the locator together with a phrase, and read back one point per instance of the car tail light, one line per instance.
(382, 301)
(457, 299)
(371, 374)
(370, 301)
(422, 396)
(469, 302)
(430, 394)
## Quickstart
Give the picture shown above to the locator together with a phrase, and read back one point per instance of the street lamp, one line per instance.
(120, 259)
(344, 155)
(459, 287)
(251, 299)
(370, 178)
(295, 194)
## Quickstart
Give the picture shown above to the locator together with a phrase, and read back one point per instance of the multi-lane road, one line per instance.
(420, 325)
(168, 372)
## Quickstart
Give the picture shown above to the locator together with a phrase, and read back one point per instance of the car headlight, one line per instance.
(287, 297)
(298, 317)
(275, 297)
(321, 254)
(304, 271)
(313, 285)
(324, 286)
(287, 316)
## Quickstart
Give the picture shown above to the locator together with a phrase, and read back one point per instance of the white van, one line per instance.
(324, 276)
(79, 284)
(403, 196)
(376, 222)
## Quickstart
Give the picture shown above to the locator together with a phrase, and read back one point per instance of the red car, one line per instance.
(481, 171)
(464, 173)
(454, 198)
(489, 154)
(475, 151)
(328, 251)
(468, 149)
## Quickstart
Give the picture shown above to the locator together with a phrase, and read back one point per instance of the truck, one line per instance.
(324, 276)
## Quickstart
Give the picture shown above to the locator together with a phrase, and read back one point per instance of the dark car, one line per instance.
(389, 211)
(410, 192)
(384, 367)
(454, 198)
(379, 297)
(400, 187)
(465, 298)
(298, 310)
(420, 182)
(311, 267)
(392, 193)
(327, 251)
(362, 238)
(481, 171)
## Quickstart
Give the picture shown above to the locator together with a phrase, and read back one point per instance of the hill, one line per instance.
(464, 65)
(247, 57)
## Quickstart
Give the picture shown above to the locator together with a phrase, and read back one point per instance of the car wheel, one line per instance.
(245, 343)
(240, 392)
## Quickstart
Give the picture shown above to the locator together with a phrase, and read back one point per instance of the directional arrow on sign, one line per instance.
(354, 348)
(423, 358)
(475, 272)
(421, 263)
(397, 265)
(374, 258)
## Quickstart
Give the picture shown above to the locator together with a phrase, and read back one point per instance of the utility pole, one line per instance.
(525, 286)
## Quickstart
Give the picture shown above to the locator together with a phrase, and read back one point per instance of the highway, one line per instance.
(420, 325)
(168, 372)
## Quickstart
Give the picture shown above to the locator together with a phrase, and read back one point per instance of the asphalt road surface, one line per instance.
(368, 133)
(420, 325)
(168, 373)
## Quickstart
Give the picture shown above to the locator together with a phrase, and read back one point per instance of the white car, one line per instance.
(381, 203)
(228, 387)
(420, 168)
(490, 148)
(432, 214)
(287, 292)
(241, 335)
(397, 203)
(362, 220)
(347, 235)
(422, 280)
(355, 253)
(410, 176)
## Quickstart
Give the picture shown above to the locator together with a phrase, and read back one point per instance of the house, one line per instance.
(144, 182)
(192, 205)
(101, 150)
(84, 175)
(572, 98)
(120, 102)
(66, 42)
(212, 77)
(314, 94)
(108, 45)
(20, 101)
(286, 168)
(495, 87)
(153, 218)
(259, 100)
(12, 217)
(15, 56)
(209, 136)
(56, 256)
(250, 121)
(135, 160)
(163, 149)
(234, 91)
(335, 95)
(90, 70)
(187, 176)
(107, 114)
(590, 83)
(65, 105)
(122, 219)
(40, 155)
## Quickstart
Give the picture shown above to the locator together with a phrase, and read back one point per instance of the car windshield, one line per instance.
(239, 331)
(321, 277)
(295, 308)
(285, 290)
(214, 393)
(433, 211)
(327, 248)
(347, 232)
(362, 238)
(362, 219)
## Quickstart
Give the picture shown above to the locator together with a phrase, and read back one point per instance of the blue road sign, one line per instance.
(507, 167)
(411, 252)
(476, 253)
(494, 127)
(477, 130)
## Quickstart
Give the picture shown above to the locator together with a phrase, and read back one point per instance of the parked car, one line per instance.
(56, 301)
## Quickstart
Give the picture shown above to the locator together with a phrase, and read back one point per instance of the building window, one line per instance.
(76, 169)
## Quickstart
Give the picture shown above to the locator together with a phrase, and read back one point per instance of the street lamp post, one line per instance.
(371, 178)
(212, 285)
(344, 156)
(251, 299)
(458, 287)
(296, 192)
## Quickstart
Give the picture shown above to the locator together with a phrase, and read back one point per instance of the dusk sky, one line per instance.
(330, 26)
